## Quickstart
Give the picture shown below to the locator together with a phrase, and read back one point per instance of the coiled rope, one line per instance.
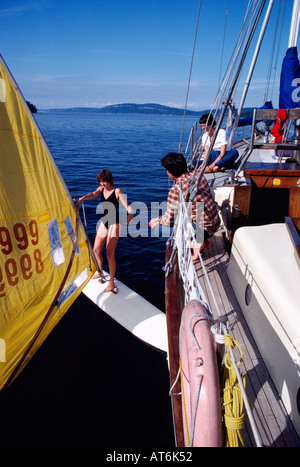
(236, 376)
(232, 397)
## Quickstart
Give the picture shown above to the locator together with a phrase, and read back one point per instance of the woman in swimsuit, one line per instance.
(109, 228)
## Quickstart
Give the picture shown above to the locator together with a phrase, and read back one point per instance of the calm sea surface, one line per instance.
(131, 146)
(92, 383)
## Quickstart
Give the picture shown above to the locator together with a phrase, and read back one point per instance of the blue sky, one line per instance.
(92, 53)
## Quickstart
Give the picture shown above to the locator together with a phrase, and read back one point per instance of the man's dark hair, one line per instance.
(174, 163)
(207, 119)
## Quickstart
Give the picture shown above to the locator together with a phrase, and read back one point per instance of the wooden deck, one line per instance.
(274, 426)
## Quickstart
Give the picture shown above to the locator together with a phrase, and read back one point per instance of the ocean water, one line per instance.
(131, 146)
(92, 383)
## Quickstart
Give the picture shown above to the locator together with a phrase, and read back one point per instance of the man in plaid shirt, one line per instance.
(209, 222)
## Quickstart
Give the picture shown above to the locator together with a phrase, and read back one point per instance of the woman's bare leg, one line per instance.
(111, 243)
(99, 242)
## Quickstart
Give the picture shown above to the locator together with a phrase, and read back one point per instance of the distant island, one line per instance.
(155, 109)
(131, 109)
(145, 109)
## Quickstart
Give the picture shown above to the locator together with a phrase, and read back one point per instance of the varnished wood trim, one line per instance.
(294, 234)
(173, 314)
(294, 202)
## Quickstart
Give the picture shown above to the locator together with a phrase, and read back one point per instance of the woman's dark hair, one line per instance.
(174, 163)
(207, 119)
(106, 176)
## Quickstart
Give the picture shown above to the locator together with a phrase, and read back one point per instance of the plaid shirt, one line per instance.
(209, 221)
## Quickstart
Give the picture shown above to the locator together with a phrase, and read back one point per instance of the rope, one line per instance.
(87, 235)
(184, 406)
(174, 384)
(203, 316)
(195, 409)
(232, 397)
(190, 438)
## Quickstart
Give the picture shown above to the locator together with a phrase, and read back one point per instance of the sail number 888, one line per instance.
(19, 238)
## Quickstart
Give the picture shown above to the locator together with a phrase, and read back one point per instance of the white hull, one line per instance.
(265, 276)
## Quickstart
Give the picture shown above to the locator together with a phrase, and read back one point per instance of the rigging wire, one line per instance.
(272, 55)
(225, 92)
(252, 7)
(227, 101)
(223, 42)
(189, 81)
(277, 53)
(253, 62)
(249, 14)
(242, 38)
(227, 73)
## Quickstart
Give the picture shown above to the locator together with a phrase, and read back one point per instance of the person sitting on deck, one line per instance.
(221, 158)
(206, 224)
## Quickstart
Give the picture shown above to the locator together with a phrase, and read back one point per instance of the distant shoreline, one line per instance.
(138, 109)
(129, 109)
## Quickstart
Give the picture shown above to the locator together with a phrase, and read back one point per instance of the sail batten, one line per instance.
(38, 225)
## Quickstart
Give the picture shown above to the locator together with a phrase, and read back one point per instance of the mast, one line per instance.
(294, 29)
(293, 39)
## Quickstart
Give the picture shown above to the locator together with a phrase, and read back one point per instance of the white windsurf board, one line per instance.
(132, 311)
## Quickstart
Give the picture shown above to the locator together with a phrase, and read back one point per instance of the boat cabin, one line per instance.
(269, 191)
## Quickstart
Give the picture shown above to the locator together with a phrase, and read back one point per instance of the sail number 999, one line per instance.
(19, 238)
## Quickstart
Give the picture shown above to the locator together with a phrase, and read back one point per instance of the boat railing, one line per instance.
(183, 240)
(272, 115)
(194, 148)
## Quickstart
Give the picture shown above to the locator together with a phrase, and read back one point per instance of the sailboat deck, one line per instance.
(273, 424)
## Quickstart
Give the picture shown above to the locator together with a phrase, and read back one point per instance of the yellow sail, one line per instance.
(42, 268)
